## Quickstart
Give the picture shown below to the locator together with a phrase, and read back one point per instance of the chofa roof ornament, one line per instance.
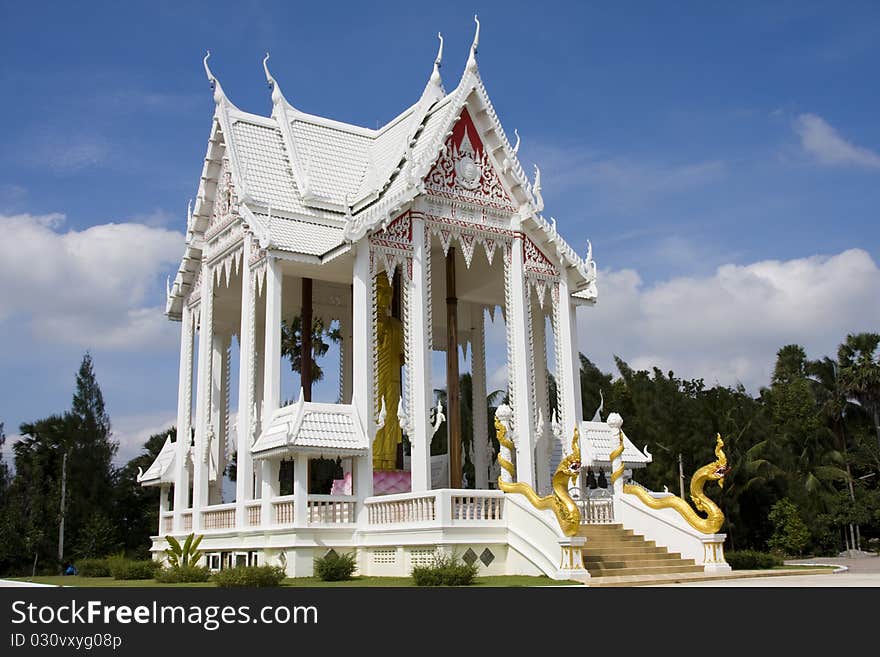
(472, 58)
(277, 95)
(215, 83)
(438, 61)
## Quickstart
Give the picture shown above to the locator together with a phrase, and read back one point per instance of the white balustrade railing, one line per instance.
(282, 510)
(402, 508)
(220, 516)
(478, 505)
(167, 522)
(332, 509)
(187, 520)
(443, 506)
(253, 513)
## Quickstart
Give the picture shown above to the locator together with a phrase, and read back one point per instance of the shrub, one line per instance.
(334, 567)
(790, 533)
(250, 576)
(93, 568)
(752, 560)
(183, 555)
(183, 574)
(130, 569)
(447, 570)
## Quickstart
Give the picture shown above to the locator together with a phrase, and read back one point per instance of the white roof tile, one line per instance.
(265, 166)
(300, 236)
(598, 440)
(161, 471)
(312, 427)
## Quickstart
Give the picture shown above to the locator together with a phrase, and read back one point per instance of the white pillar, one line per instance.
(568, 368)
(519, 365)
(219, 412)
(272, 362)
(301, 490)
(345, 348)
(362, 368)
(481, 443)
(164, 489)
(184, 417)
(542, 397)
(203, 405)
(270, 488)
(244, 468)
(419, 359)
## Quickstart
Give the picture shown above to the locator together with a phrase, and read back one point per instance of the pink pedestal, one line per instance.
(386, 482)
(342, 486)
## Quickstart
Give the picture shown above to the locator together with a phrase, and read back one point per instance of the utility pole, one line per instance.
(680, 476)
(63, 496)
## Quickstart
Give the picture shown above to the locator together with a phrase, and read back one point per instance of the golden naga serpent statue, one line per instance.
(567, 512)
(714, 471)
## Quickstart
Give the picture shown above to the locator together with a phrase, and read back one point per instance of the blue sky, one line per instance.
(724, 159)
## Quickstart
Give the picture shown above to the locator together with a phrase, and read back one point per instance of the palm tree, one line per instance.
(291, 339)
(835, 407)
(860, 372)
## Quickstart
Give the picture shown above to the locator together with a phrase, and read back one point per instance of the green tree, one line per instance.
(291, 341)
(790, 533)
(860, 372)
(136, 508)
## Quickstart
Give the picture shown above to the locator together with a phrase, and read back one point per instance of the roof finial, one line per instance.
(537, 189)
(516, 146)
(277, 96)
(472, 58)
(215, 83)
(435, 76)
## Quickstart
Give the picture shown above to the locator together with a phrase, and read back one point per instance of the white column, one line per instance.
(519, 364)
(244, 474)
(269, 488)
(164, 489)
(203, 405)
(345, 372)
(419, 359)
(301, 490)
(184, 417)
(542, 397)
(568, 382)
(480, 438)
(362, 368)
(272, 362)
(219, 413)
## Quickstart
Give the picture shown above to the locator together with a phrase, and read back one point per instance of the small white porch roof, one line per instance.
(598, 440)
(162, 469)
(312, 427)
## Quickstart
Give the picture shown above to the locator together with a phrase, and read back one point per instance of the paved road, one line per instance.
(860, 572)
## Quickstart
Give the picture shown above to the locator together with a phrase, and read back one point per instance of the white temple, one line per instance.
(407, 238)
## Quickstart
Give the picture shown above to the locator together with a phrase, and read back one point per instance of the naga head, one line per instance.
(720, 467)
(570, 466)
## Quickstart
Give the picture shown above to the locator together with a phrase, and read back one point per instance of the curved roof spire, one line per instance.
(536, 188)
(277, 95)
(435, 76)
(472, 58)
(215, 83)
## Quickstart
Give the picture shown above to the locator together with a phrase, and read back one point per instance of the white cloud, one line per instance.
(98, 287)
(822, 141)
(727, 327)
(132, 431)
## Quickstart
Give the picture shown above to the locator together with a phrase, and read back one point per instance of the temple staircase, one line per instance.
(615, 556)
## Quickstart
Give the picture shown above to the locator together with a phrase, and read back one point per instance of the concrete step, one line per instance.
(636, 556)
(593, 551)
(611, 564)
(626, 542)
(642, 570)
(683, 578)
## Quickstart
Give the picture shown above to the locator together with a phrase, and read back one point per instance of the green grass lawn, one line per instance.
(482, 582)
